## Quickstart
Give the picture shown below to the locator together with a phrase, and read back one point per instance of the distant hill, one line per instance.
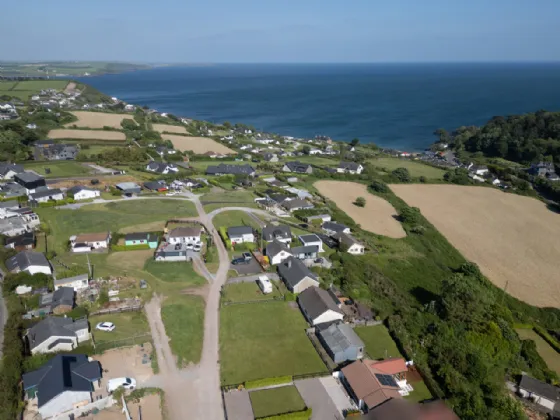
(66, 68)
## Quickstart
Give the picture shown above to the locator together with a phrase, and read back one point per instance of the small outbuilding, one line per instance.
(341, 343)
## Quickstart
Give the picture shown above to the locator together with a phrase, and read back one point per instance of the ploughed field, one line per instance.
(377, 216)
(61, 133)
(90, 119)
(198, 145)
(513, 239)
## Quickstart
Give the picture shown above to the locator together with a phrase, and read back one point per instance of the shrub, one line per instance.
(261, 383)
(379, 187)
(360, 202)
(402, 174)
(246, 246)
(296, 415)
(129, 247)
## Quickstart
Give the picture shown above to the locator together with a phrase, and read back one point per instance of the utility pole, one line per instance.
(505, 289)
(90, 274)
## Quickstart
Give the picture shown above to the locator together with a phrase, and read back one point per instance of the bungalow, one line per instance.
(161, 167)
(129, 188)
(9, 170)
(80, 192)
(45, 195)
(225, 169)
(14, 226)
(58, 302)
(281, 233)
(141, 238)
(30, 181)
(332, 228)
(313, 152)
(542, 169)
(341, 343)
(300, 193)
(241, 234)
(30, 262)
(188, 235)
(55, 334)
(305, 252)
(297, 204)
(297, 167)
(319, 306)
(9, 205)
(21, 242)
(62, 383)
(56, 152)
(311, 240)
(87, 242)
(76, 283)
(296, 275)
(352, 168)
(270, 157)
(541, 393)
(158, 186)
(321, 217)
(172, 252)
(349, 244)
(277, 252)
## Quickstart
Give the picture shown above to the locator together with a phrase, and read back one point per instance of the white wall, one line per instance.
(76, 285)
(64, 402)
(85, 194)
(246, 237)
(278, 258)
(304, 284)
(43, 347)
(356, 249)
(184, 239)
(328, 316)
(34, 269)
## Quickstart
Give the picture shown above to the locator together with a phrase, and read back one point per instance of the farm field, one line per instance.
(513, 239)
(179, 129)
(213, 201)
(24, 89)
(61, 133)
(90, 119)
(127, 324)
(234, 218)
(174, 272)
(378, 342)
(377, 216)
(545, 350)
(271, 402)
(416, 169)
(274, 329)
(58, 169)
(198, 145)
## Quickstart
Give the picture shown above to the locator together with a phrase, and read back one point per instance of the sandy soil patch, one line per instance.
(70, 87)
(198, 145)
(126, 362)
(512, 238)
(149, 405)
(60, 133)
(89, 119)
(376, 216)
(170, 128)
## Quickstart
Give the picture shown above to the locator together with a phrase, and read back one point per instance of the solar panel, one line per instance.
(386, 380)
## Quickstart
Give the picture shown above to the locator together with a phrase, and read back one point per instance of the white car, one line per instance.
(170, 194)
(197, 247)
(265, 284)
(115, 383)
(105, 326)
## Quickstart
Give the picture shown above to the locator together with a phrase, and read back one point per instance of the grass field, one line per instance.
(90, 119)
(377, 216)
(234, 218)
(420, 393)
(23, 90)
(316, 160)
(198, 145)
(545, 350)
(58, 169)
(110, 216)
(241, 198)
(203, 164)
(416, 169)
(174, 272)
(269, 335)
(179, 129)
(67, 133)
(512, 238)
(270, 402)
(243, 292)
(127, 324)
(379, 344)
(183, 318)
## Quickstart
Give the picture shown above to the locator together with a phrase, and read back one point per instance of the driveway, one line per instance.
(317, 398)
(252, 267)
(253, 278)
(238, 405)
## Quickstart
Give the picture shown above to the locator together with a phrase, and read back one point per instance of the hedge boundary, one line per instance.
(294, 415)
(129, 247)
(261, 383)
(547, 337)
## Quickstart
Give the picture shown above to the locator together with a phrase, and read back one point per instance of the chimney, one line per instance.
(290, 263)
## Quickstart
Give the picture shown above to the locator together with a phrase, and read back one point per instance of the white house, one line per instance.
(352, 168)
(87, 242)
(30, 262)
(281, 233)
(78, 283)
(296, 275)
(264, 141)
(241, 234)
(54, 334)
(349, 244)
(319, 306)
(311, 240)
(161, 167)
(321, 217)
(277, 252)
(45, 195)
(79, 192)
(478, 169)
(315, 152)
(540, 393)
(188, 234)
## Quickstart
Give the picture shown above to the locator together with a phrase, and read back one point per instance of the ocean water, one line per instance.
(393, 105)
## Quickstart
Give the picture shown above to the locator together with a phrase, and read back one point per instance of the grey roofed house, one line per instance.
(28, 177)
(6, 167)
(349, 166)
(293, 271)
(54, 326)
(341, 342)
(158, 167)
(278, 198)
(137, 236)
(239, 230)
(129, 187)
(298, 167)
(334, 227)
(26, 239)
(275, 247)
(345, 239)
(317, 301)
(24, 259)
(45, 193)
(62, 373)
(297, 203)
(226, 169)
(11, 204)
(309, 238)
(271, 232)
(57, 152)
(305, 252)
(542, 389)
(77, 188)
(80, 277)
(63, 296)
(153, 185)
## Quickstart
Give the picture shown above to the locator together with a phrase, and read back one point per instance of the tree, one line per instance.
(227, 125)
(306, 149)
(443, 135)
(360, 202)
(354, 142)
(410, 215)
(380, 187)
(402, 174)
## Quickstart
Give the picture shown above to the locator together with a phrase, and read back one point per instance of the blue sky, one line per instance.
(214, 31)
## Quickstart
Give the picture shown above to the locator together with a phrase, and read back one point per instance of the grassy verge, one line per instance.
(234, 218)
(378, 342)
(127, 324)
(174, 272)
(420, 393)
(242, 292)
(271, 402)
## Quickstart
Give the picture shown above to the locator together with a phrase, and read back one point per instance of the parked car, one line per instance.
(246, 255)
(197, 247)
(238, 261)
(170, 194)
(115, 383)
(318, 261)
(264, 284)
(105, 326)
(190, 246)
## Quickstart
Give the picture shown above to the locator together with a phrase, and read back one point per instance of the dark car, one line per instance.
(238, 261)
(318, 261)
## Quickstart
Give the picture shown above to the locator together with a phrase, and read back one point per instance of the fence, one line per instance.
(331, 365)
(123, 342)
(132, 308)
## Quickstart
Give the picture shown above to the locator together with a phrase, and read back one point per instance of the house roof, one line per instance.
(293, 271)
(309, 238)
(297, 203)
(92, 237)
(54, 326)
(137, 236)
(25, 259)
(271, 232)
(223, 168)
(153, 185)
(278, 198)
(540, 388)
(340, 337)
(77, 188)
(159, 167)
(45, 193)
(317, 301)
(335, 227)
(7, 167)
(28, 238)
(306, 249)
(80, 277)
(28, 177)
(127, 186)
(181, 232)
(63, 296)
(276, 247)
(62, 373)
(239, 230)
(352, 166)
(345, 239)
(9, 204)
(296, 166)
(390, 366)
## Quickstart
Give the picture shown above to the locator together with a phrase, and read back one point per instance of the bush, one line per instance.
(296, 415)
(402, 174)
(260, 383)
(246, 246)
(129, 247)
(360, 202)
(380, 187)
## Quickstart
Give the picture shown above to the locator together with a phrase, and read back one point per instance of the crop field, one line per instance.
(416, 169)
(198, 145)
(89, 119)
(377, 216)
(179, 129)
(61, 133)
(514, 239)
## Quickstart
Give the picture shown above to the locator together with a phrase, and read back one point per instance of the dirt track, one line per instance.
(512, 238)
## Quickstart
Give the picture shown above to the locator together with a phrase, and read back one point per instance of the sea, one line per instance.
(396, 106)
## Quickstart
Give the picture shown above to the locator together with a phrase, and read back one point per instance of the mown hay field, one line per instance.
(512, 238)
(377, 216)
(198, 145)
(179, 129)
(61, 133)
(89, 119)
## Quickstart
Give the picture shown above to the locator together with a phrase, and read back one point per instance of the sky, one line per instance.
(280, 31)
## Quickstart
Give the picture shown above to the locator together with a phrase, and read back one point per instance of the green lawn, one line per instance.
(379, 344)
(183, 318)
(174, 272)
(242, 292)
(416, 169)
(271, 336)
(127, 324)
(203, 164)
(109, 216)
(234, 218)
(58, 169)
(240, 198)
(314, 160)
(420, 393)
(271, 402)
(549, 355)
(23, 90)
